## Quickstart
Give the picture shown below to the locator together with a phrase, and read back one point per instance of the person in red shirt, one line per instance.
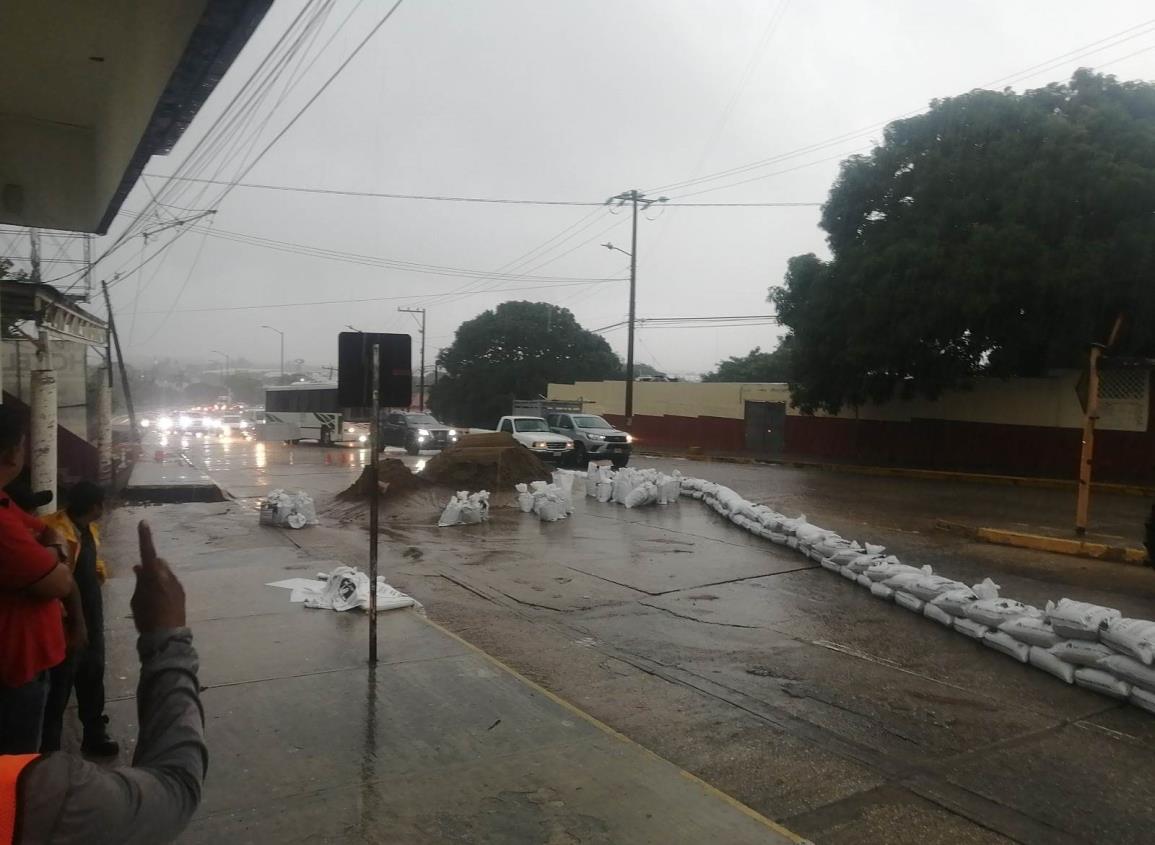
(34, 579)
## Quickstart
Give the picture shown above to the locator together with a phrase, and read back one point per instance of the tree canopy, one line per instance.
(998, 233)
(756, 366)
(513, 352)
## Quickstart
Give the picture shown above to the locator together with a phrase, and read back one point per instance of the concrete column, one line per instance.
(104, 429)
(43, 435)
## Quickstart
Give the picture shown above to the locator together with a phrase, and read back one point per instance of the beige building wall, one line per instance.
(1051, 401)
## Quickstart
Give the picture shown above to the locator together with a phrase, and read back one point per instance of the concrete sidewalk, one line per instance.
(438, 743)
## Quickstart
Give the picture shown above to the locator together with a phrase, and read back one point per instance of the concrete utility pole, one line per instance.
(120, 363)
(1091, 414)
(104, 426)
(421, 378)
(635, 198)
(44, 409)
(34, 253)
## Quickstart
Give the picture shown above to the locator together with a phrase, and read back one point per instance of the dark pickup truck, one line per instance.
(415, 431)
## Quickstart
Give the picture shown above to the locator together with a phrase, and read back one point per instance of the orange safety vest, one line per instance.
(11, 767)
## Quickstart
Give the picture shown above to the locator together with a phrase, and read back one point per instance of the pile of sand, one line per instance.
(492, 462)
(392, 472)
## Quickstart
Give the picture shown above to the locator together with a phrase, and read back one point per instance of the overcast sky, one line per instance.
(569, 101)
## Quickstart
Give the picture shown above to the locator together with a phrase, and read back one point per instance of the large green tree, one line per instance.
(998, 233)
(757, 366)
(513, 352)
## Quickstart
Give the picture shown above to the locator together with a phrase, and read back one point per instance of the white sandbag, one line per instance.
(881, 590)
(955, 602)
(670, 488)
(452, 513)
(974, 630)
(930, 587)
(475, 508)
(1042, 658)
(605, 491)
(862, 562)
(937, 614)
(903, 580)
(592, 480)
(847, 573)
(1081, 652)
(792, 542)
(1141, 698)
(549, 510)
(827, 563)
(1135, 637)
(730, 501)
(872, 549)
(1008, 645)
(994, 612)
(1032, 630)
(1102, 682)
(986, 589)
(845, 556)
(290, 510)
(912, 603)
(1130, 670)
(778, 537)
(1079, 620)
(524, 498)
(863, 581)
(884, 570)
(644, 494)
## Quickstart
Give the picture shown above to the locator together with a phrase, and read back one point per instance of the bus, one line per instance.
(313, 409)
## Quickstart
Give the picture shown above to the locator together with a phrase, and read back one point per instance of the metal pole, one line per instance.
(421, 381)
(44, 411)
(633, 307)
(282, 334)
(104, 427)
(34, 253)
(1087, 453)
(120, 364)
(374, 501)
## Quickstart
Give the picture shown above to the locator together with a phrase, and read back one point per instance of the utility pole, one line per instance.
(120, 362)
(34, 253)
(634, 198)
(421, 381)
(1087, 453)
(282, 334)
(87, 267)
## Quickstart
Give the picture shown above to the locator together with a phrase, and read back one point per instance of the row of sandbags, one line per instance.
(631, 487)
(1085, 644)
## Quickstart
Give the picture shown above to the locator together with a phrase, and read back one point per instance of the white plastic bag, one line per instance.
(524, 498)
(987, 589)
(452, 513)
(938, 615)
(644, 494)
(881, 590)
(863, 581)
(1130, 670)
(974, 630)
(1078, 619)
(548, 509)
(1081, 652)
(1102, 682)
(605, 491)
(955, 602)
(1042, 658)
(930, 587)
(1032, 630)
(1141, 698)
(1135, 637)
(1008, 645)
(994, 612)
(592, 480)
(912, 603)
(884, 570)
(293, 510)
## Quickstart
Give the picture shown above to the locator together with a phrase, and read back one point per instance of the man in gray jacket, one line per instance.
(64, 799)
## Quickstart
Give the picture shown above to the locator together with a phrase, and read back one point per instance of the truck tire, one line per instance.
(580, 456)
(326, 436)
(411, 447)
(621, 462)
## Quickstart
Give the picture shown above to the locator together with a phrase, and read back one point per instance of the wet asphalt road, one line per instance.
(844, 717)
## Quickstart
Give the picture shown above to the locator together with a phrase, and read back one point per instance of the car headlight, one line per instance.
(453, 432)
(244, 424)
(145, 423)
(364, 438)
(629, 438)
(349, 429)
(164, 423)
(540, 445)
(596, 436)
(185, 422)
(423, 432)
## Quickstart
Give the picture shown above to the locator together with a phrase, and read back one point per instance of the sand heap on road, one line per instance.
(493, 461)
(401, 481)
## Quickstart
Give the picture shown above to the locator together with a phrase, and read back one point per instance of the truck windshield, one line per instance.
(589, 421)
(422, 419)
(530, 425)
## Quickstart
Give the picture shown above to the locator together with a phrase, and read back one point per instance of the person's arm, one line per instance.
(75, 623)
(65, 799)
(28, 566)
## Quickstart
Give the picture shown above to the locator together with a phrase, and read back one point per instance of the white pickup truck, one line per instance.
(533, 433)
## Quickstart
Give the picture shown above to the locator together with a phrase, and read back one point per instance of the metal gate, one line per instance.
(766, 427)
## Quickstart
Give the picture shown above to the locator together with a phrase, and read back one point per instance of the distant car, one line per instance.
(533, 433)
(197, 425)
(234, 425)
(415, 431)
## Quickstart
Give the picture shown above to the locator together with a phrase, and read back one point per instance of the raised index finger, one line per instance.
(147, 549)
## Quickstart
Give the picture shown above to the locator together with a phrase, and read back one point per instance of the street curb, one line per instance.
(1143, 490)
(1038, 542)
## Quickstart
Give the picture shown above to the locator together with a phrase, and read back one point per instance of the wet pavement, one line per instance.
(846, 718)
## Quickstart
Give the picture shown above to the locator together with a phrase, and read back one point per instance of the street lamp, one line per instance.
(282, 334)
(225, 377)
